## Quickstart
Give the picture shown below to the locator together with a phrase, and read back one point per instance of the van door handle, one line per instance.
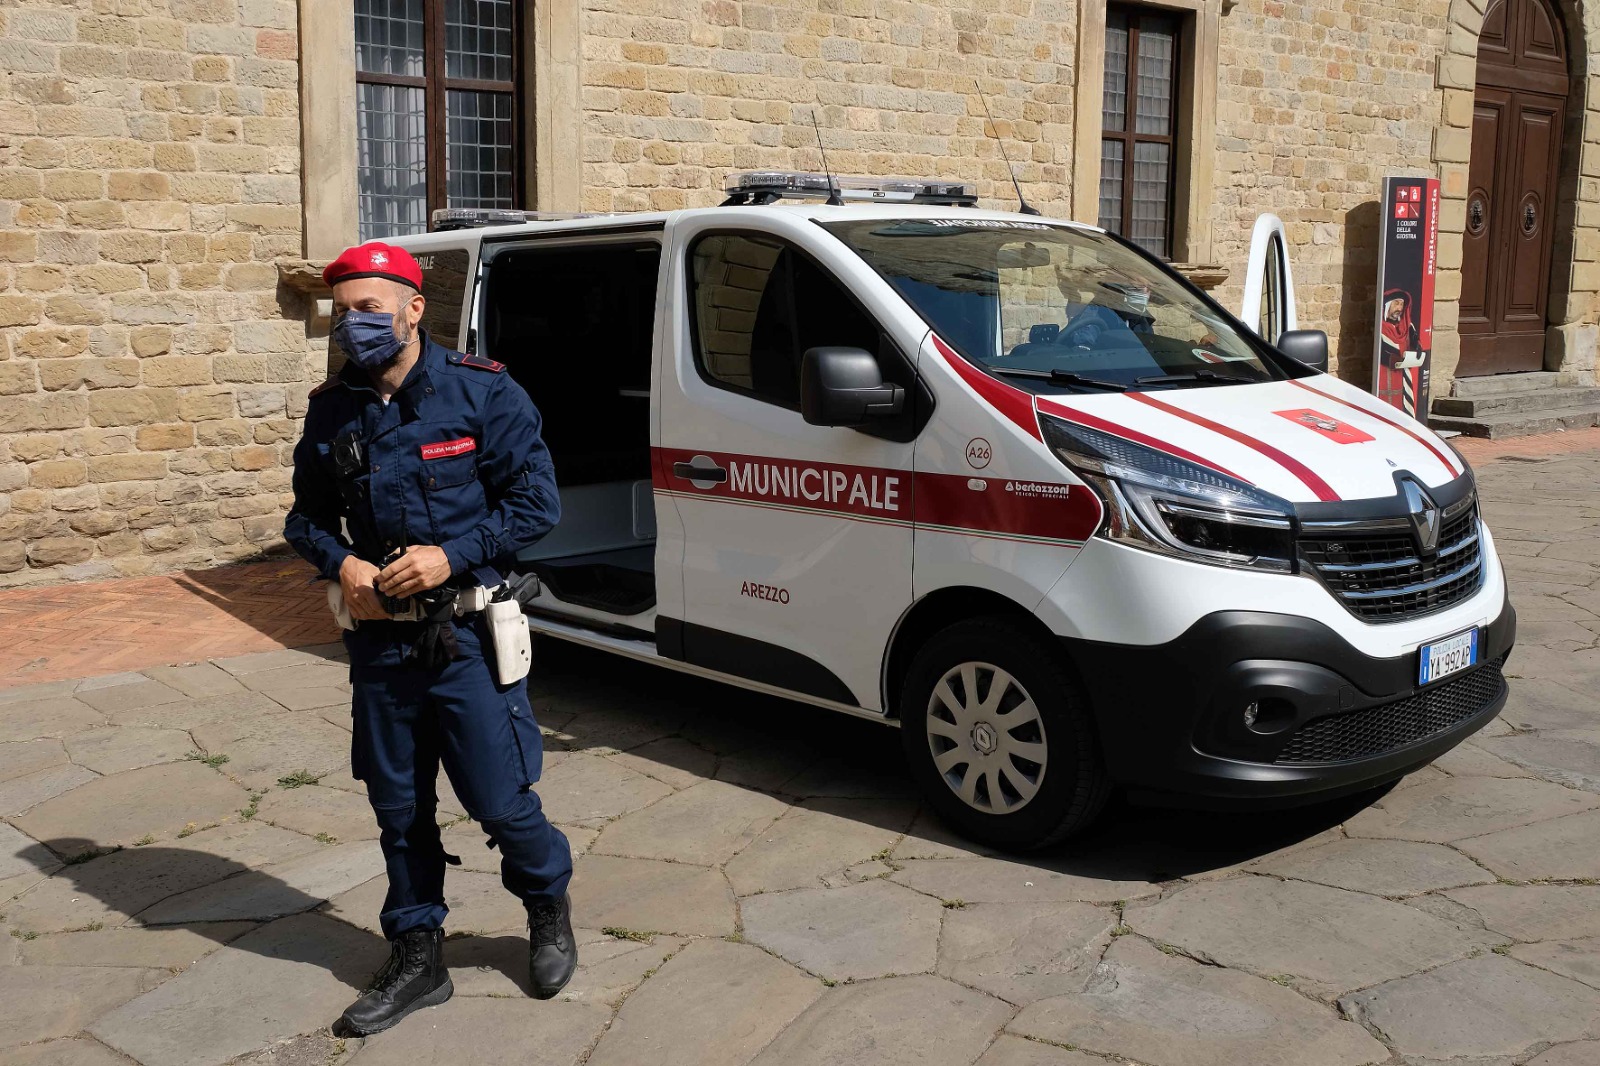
(690, 472)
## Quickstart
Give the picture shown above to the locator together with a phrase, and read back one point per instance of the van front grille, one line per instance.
(1380, 576)
(1381, 729)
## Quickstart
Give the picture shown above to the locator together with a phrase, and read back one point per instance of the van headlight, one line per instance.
(1161, 503)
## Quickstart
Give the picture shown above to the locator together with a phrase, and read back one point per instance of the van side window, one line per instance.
(758, 305)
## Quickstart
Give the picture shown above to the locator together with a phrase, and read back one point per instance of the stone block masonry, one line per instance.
(150, 366)
(676, 95)
(1318, 102)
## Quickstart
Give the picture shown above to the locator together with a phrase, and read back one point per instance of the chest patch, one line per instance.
(446, 448)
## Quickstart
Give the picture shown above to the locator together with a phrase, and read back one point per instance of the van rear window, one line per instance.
(444, 285)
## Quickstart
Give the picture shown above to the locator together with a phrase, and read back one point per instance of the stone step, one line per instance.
(1504, 403)
(1520, 423)
(1533, 381)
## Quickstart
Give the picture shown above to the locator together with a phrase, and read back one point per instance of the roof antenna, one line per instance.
(1022, 205)
(834, 199)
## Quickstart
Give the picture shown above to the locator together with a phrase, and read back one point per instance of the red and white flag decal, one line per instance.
(1339, 432)
(445, 448)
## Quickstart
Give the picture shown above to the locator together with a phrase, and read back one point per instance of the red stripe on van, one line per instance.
(799, 483)
(1007, 508)
(1012, 402)
(1307, 476)
(1083, 418)
(1042, 510)
(1419, 438)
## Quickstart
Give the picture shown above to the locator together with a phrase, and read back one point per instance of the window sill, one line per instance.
(1207, 276)
(304, 276)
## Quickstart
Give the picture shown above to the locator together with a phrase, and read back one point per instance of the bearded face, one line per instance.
(1394, 310)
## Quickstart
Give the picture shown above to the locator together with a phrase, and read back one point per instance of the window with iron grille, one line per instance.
(437, 110)
(1139, 126)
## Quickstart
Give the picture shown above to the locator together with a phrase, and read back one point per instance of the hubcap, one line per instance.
(987, 738)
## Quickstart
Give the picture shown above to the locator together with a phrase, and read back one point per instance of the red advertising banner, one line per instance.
(1407, 262)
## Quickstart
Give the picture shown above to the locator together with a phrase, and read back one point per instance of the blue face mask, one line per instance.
(368, 338)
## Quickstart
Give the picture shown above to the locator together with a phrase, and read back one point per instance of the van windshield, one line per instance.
(1055, 308)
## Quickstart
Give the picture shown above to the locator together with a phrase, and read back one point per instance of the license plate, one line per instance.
(1445, 657)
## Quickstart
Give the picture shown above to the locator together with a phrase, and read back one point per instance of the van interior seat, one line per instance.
(596, 519)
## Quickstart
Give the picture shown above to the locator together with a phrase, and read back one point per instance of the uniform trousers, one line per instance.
(407, 721)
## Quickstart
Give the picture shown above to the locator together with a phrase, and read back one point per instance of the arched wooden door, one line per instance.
(1518, 115)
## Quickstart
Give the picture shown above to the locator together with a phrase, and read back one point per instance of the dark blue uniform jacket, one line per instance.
(455, 459)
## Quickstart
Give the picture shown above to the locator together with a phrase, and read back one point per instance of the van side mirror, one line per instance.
(844, 387)
(1308, 346)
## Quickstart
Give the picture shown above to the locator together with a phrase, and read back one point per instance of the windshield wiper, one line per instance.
(1060, 377)
(1201, 377)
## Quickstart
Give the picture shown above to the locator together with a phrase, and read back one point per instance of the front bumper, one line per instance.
(1332, 720)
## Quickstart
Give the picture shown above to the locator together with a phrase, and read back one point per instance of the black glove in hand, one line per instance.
(436, 645)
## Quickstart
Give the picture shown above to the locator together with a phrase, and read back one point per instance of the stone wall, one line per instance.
(676, 93)
(149, 382)
(1319, 100)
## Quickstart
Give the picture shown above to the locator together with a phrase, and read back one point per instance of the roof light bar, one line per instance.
(451, 218)
(770, 186)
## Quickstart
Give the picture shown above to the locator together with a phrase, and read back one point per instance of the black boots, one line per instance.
(413, 977)
(552, 950)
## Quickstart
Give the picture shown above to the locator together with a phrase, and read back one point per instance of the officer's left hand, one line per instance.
(422, 567)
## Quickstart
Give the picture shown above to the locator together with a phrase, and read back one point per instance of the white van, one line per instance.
(1008, 482)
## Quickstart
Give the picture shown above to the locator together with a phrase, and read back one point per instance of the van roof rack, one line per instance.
(770, 186)
(451, 218)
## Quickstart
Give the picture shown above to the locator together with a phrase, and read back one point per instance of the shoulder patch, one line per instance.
(333, 379)
(482, 362)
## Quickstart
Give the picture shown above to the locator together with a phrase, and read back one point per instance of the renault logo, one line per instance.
(1424, 516)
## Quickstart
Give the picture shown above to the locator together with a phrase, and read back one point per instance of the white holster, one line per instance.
(513, 647)
(341, 610)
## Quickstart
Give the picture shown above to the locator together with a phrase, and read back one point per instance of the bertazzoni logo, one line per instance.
(1039, 489)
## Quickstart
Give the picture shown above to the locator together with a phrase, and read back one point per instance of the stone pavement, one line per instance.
(188, 877)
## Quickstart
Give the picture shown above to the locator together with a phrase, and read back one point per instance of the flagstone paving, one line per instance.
(189, 876)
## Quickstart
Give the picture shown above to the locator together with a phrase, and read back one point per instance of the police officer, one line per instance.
(420, 474)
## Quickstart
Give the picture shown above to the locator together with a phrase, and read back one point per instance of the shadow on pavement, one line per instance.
(273, 595)
(591, 697)
(170, 887)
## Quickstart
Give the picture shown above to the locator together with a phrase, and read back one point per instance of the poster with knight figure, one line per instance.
(1407, 261)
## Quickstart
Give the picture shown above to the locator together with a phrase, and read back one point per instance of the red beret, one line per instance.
(374, 260)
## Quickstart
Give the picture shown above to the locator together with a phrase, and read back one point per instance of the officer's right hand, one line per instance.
(356, 578)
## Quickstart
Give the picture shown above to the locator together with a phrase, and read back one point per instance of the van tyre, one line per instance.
(999, 736)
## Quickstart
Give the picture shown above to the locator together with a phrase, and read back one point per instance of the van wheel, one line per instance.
(998, 735)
